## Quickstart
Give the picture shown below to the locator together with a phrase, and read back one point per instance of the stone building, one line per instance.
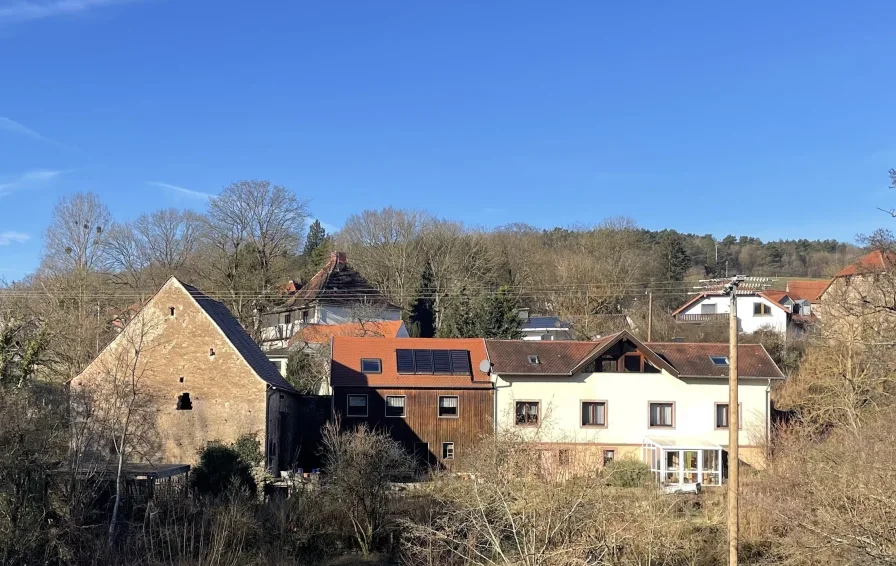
(181, 374)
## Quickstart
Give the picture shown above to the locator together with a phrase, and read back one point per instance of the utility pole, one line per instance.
(730, 289)
(649, 315)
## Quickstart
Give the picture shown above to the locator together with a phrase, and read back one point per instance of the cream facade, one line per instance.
(627, 398)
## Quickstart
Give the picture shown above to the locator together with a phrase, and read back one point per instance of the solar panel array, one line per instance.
(431, 362)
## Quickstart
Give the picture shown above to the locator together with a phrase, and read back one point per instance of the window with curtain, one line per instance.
(448, 406)
(723, 415)
(395, 405)
(594, 413)
(527, 413)
(662, 414)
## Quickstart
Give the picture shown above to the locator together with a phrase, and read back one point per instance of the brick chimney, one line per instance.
(338, 257)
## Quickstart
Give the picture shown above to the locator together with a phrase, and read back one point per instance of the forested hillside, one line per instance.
(255, 236)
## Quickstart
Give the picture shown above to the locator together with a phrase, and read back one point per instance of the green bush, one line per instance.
(627, 473)
(220, 468)
(249, 449)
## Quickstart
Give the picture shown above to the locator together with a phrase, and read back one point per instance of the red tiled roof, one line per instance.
(806, 290)
(347, 353)
(875, 262)
(321, 333)
(693, 359)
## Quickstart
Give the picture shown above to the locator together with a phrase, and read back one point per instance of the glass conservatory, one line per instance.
(683, 460)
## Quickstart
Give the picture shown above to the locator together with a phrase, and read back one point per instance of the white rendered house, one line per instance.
(663, 403)
(756, 310)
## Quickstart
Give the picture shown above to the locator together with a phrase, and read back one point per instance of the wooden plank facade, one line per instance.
(422, 431)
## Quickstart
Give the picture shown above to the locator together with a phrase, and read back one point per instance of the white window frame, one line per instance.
(456, 407)
(404, 407)
(447, 451)
(348, 405)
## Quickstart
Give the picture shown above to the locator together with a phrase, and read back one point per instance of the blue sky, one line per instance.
(771, 121)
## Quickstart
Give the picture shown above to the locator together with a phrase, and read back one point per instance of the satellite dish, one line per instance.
(485, 366)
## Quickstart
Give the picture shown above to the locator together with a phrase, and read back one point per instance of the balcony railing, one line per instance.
(701, 317)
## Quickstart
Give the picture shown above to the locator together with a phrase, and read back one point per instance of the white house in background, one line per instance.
(666, 404)
(539, 327)
(337, 294)
(756, 310)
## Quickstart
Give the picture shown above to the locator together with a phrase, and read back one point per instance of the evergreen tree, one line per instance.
(674, 257)
(315, 239)
(491, 315)
(421, 318)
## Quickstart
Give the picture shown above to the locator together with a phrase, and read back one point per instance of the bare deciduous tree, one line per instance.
(252, 227)
(76, 237)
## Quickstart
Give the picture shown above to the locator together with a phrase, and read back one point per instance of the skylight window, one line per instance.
(534, 360)
(719, 360)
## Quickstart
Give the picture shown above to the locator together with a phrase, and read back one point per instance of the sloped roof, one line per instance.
(237, 335)
(875, 262)
(336, 283)
(564, 358)
(807, 290)
(321, 333)
(557, 358)
(693, 359)
(347, 352)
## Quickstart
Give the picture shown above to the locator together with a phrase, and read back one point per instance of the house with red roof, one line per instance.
(337, 294)
(780, 311)
(859, 303)
(430, 394)
(586, 403)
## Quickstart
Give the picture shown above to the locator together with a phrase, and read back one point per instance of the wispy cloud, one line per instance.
(10, 125)
(7, 238)
(182, 190)
(28, 10)
(29, 180)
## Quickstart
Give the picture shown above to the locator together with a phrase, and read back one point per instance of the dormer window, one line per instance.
(534, 360)
(719, 360)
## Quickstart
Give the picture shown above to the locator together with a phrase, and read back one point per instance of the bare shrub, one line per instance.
(359, 466)
(514, 510)
(832, 497)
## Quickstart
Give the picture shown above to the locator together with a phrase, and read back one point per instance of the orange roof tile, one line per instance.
(806, 290)
(875, 262)
(345, 370)
(321, 333)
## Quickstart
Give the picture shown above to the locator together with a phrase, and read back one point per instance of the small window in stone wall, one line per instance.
(211, 352)
(181, 380)
(171, 311)
(184, 403)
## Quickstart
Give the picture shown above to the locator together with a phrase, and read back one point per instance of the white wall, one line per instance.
(747, 321)
(332, 314)
(627, 396)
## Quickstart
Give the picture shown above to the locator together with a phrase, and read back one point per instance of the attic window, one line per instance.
(184, 403)
(719, 360)
(534, 360)
(171, 311)
(371, 365)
